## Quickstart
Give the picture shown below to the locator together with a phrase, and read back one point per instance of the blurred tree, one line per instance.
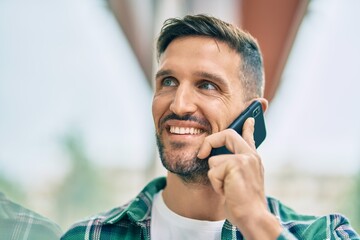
(83, 191)
(11, 188)
(351, 203)
(355, 206)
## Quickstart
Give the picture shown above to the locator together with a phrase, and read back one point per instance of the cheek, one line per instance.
(155, 110)
(218, 114)
(159, 107)
(213, 113)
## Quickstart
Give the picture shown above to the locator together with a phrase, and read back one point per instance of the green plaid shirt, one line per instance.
(19, 223)
(132, 221)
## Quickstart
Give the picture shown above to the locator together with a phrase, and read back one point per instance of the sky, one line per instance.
(75, 73)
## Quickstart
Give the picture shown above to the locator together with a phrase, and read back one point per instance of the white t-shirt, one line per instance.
(165, 224)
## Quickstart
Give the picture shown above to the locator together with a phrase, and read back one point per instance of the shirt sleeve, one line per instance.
(286, 235)
(334, 226)
(341, 228)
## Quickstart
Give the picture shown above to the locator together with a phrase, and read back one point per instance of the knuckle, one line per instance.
(248, 158)
(211, 162)
(230, 132)
(211, 174)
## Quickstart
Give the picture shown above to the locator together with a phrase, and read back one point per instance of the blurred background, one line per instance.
(76, 131)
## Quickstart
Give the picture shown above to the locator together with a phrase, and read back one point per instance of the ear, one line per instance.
(264, 103)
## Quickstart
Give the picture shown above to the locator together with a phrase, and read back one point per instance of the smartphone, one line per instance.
(253, 110)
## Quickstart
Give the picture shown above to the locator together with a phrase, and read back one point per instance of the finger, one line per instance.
(222, 172)
(216, 176)
(248, 132)
(217, 160)
(226, 138)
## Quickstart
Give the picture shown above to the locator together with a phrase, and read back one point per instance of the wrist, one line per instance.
(260, 226)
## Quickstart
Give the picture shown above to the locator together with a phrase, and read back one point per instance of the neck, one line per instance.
(191, 200)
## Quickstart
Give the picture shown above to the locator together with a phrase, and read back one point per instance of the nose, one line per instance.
(184, 101)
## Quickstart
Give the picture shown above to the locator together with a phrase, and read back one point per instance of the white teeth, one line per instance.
(183, 130)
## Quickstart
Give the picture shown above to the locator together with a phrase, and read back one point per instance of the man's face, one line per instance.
(198, 91)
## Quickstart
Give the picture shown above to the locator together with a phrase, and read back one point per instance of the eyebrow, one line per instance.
(207, 75)
(211, 76)
(162, 73)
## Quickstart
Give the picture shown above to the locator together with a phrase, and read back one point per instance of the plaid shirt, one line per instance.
(17, 222)
(132, 221)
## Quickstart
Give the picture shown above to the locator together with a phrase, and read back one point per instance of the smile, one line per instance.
(185, 130)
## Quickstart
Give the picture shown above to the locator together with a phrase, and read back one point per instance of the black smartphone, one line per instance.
(253, 110)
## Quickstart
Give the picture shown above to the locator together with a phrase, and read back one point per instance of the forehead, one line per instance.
(193, 41)
(202, 53)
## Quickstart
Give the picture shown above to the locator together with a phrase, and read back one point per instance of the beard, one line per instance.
(185, 164)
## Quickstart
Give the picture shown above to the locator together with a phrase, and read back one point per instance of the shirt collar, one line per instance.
(138, 209)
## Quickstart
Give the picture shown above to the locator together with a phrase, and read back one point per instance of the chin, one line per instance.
(181, 159)
(187, 166)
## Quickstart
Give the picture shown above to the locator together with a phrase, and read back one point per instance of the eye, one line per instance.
(168, 82)
(208, 86)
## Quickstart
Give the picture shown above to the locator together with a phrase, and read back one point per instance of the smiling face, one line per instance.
(198, 91)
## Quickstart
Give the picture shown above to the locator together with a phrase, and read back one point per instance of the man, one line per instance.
(17, 222)
(208, 73)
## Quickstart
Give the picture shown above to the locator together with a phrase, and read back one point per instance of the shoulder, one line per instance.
(311, 226)
(127, 220)
(24, 223)
(96, 224)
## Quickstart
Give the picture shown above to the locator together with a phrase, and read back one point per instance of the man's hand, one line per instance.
(239, 178)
